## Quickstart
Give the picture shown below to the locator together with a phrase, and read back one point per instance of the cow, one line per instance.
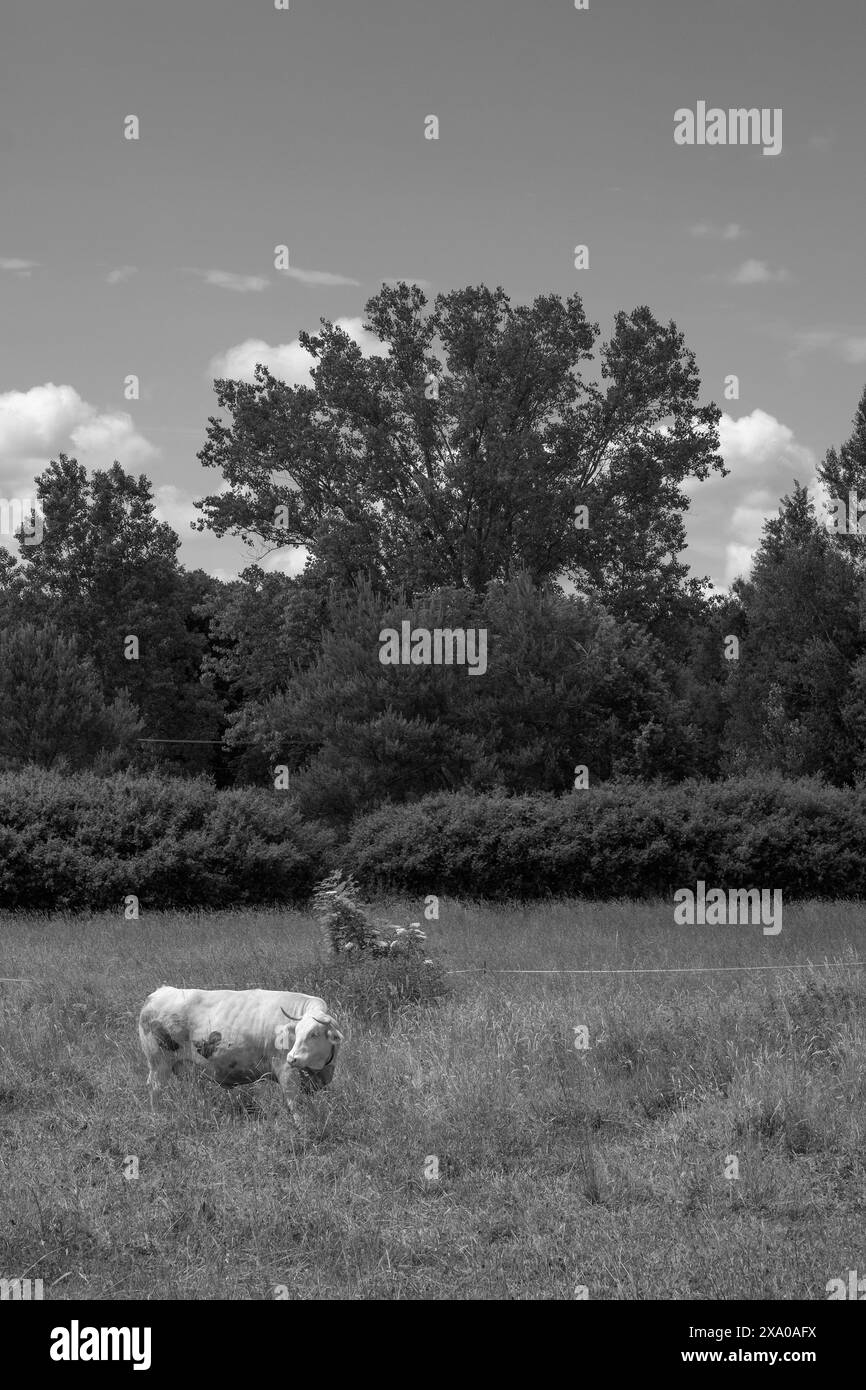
(240, 1036)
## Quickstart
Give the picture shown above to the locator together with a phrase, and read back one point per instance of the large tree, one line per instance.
(791, 694)
(461, 453)
(106, 570)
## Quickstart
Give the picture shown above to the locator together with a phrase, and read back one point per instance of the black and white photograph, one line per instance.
(432, 666)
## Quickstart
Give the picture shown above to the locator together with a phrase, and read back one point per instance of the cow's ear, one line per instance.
(283, 1037)
(334, 1035)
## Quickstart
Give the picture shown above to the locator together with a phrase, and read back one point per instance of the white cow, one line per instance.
(240, 1036)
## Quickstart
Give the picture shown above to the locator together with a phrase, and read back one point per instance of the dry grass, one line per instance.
(557, 1168)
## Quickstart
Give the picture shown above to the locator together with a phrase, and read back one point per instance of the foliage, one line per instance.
(565, 684)
(457, 450)
(626, 840)
(791, 698)
(52, 709)
(88, 842)
(107, 569)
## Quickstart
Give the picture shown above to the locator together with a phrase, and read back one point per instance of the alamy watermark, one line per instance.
(21, 514)
(846, 520)
(717, 908)
(77, 1343)
(21, 1290)
(439, 646)
(737, 126)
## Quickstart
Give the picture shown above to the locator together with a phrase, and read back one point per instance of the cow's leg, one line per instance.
(161, 1053)
(288, 1079)
(161, 1068)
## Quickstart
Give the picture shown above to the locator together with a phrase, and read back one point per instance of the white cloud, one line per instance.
(730, 231)
(288, 362)
(757, 273)
(15, 266)
(176, 506)
(291, 559)
(727, 515)
(228, 280)
(37, 425)
(757, 438)
(122, 273)
(317, 277)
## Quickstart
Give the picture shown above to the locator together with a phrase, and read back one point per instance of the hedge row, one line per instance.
(622, 839)
(87, 842)
(84, 841)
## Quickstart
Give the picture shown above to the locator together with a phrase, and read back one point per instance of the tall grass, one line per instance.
(557, 1167)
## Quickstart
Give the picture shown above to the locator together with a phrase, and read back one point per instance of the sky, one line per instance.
(305, 126)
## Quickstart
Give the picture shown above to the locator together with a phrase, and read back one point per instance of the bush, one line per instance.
(619, 840)
(374, 970)
(84, 841)
(373, 988)
(346, 927)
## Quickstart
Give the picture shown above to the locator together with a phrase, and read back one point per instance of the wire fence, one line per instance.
(660, 969)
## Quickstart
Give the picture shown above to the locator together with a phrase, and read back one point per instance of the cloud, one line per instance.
(122, 273)
(822, 143)
(291, 559)
(727, 515)
(848, 345)
(317, 277)
(288, 362)
(228, 280)
(176, 506)
(731, 231)
(15, 266)
(757, 273)
(37, 425)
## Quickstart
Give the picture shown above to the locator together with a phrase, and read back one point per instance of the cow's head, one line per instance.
(317, 1042)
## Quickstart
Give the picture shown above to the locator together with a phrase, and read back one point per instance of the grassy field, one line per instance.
(558, 1168)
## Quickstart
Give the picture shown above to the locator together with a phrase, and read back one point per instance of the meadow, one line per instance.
(467, 1148)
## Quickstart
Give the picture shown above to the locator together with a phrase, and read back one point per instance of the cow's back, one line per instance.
(220, 1019)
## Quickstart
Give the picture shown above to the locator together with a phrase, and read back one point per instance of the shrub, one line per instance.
(346, 927)
(373, 988)
(619, 839)
(84, 841)
(374, 970)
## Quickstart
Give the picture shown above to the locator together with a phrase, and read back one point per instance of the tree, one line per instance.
(52, 709)
(263, 627)
(791, 687)
(460, 455)
(844, 473)
(106, 570)
(565, 684)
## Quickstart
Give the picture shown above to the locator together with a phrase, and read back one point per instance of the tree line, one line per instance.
(491, 466)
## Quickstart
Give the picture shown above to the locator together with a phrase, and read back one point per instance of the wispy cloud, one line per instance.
(122, 273)
(317, 277)
(849, 345)
(228, 280)
(730, 231)
(14, 265)
(757, 273)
